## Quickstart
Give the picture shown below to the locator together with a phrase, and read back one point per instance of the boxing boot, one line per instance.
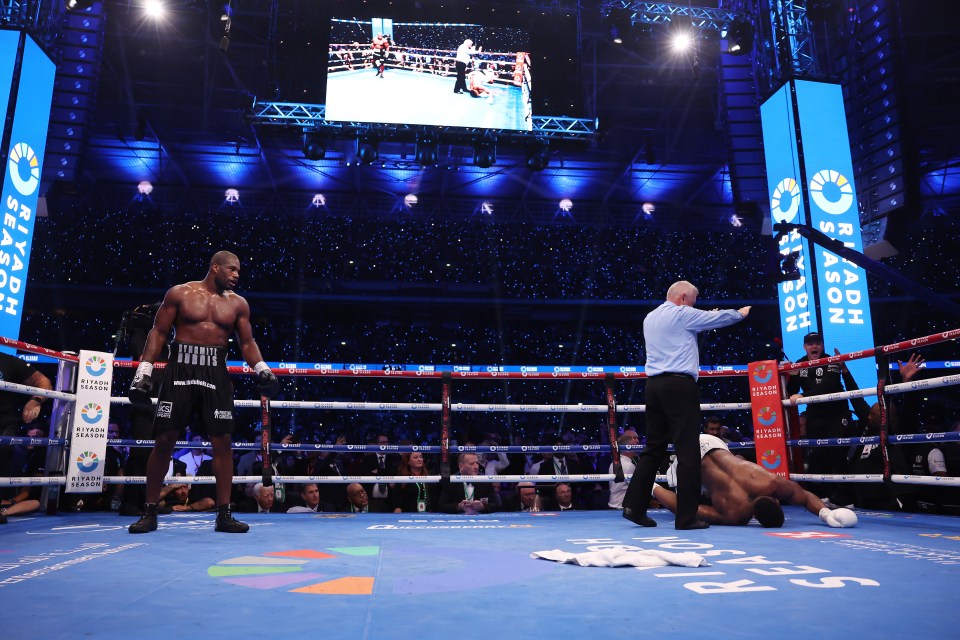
(226, 523)
(638, 518)
(147, 522)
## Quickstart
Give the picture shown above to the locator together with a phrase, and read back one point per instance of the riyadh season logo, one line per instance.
(87, 461)
(831, 191)
(766, 416)
(785, 201)
(762, 374)
(770, 459)
(91, 413)
(24, 160)
(96, 366)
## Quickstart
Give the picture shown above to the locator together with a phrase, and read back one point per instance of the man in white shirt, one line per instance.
(619, 489)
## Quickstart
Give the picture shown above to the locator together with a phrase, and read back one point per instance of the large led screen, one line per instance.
(386, 71)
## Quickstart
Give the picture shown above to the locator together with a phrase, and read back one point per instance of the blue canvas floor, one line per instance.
(436, 576)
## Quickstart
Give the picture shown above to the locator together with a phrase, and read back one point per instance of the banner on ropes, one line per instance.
(88, 430)
(768, 425)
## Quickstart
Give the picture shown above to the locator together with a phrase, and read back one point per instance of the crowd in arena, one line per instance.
(609, 276)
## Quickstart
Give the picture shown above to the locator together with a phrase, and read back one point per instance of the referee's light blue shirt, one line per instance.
(670, 332)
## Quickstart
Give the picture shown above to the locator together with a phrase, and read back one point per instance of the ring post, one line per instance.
(445, 426)
(612, 428)
(60, 418)
(883, 371)
(767, 408)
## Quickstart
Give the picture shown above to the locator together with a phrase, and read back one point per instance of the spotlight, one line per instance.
(410, 200)
(227, 23)
(231, 196)
(78, 5)
(427, 151)
(538, 156)
(313, 148)
(682, 34)
(621, 22)
(367, 151)
(484, 154)
(154, 8)
(319, 200)
(740, 37)
(144, 188)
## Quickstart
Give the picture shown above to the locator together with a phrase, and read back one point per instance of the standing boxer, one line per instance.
(203, 314)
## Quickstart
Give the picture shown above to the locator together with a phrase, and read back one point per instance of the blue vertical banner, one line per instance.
(784, 182)
(844, 302)
(21, 182)
(810, 181)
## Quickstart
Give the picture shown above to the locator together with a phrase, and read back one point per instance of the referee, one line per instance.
(673, 402)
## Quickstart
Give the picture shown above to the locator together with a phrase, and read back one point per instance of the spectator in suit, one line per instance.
(413, 497)
(263, 501)
(357, 498)
(379, 463)
(310, 496)
(467, 497)
(565, 499)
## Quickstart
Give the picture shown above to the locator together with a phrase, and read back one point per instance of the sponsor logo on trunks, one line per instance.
(194, 383)
(96, 366)
(91, 413)
(87, 461)
(164, 409)
(222, 415)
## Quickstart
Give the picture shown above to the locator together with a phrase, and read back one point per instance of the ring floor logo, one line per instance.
(787, 193)
(831, 191)
(770, 459)
(91, 413)
(96, 366)
(87, 461)
(348, 570)
(289, 570)
(24, 160)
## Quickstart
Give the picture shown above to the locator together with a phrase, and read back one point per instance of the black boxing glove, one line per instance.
(141, 389)
(267, 382)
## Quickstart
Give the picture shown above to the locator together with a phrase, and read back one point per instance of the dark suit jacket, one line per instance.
(452, 494)
(405, 496)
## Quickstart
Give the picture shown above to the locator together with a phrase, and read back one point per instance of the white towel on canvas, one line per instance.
(624, 558)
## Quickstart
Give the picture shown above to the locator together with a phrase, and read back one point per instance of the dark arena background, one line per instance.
(431, 272)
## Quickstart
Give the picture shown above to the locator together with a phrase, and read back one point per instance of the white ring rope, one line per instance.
(457, 406)
(36, 391)
(900, 387)
(904, 387)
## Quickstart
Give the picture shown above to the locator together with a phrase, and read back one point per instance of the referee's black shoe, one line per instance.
(641, 519)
